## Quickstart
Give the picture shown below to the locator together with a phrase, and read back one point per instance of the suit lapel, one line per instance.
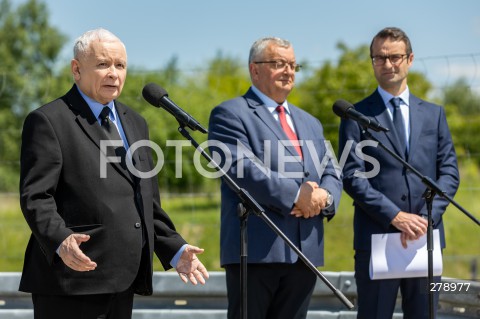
(416, 118)
(84, 116)
(264, 114)
(129, 128)
(89, 124)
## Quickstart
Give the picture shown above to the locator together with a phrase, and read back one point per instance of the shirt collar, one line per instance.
(270, 104)
(386, 96)
(97, 107)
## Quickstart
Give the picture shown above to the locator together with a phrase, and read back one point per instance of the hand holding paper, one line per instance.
(391, 260)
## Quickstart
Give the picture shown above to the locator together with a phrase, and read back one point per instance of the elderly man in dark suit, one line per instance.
(391, 200)
(278, 154)
(95, 224)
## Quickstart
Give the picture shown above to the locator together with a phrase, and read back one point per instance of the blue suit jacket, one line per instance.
(247, 121)
(378, 199)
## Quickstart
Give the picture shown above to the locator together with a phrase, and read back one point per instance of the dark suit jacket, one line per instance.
(62, 193)
(246, 120)
(378, 199)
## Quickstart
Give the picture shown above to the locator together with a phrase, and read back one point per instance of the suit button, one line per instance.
(138, 225)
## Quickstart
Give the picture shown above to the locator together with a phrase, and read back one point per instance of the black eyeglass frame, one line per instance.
(279, 64)
(395, 59)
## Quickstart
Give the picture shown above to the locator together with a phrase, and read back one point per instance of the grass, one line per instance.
(14, 233)
(198, 219)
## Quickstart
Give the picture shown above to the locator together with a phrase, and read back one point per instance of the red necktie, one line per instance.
(288, 130)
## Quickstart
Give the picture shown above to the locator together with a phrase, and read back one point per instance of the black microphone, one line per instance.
(158, 97)
(346, 110)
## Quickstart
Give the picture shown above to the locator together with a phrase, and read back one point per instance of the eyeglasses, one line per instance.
(395, 59)
(280, 65)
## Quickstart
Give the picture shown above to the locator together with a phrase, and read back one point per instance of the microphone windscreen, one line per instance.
(340, 107)
(152, 93)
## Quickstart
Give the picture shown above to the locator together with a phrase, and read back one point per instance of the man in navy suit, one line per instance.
(276, 151)
(95, 224)
(391, 200)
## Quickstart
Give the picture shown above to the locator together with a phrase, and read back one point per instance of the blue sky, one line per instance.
(445, 34)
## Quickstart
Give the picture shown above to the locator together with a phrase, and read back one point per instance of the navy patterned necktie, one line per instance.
(108, 126)
(399, 124)
(112, 133)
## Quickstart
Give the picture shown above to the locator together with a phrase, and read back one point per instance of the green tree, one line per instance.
(29, 47)
(350, 79)
(463, 115)
(162, 126)
(463, 98)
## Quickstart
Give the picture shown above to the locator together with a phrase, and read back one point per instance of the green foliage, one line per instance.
(463, 114)
(226, 78)
(14, 234)
(28, 50)
(461, 97)
(197, 95)
(29, 47)
(419, 85)
(351, 79)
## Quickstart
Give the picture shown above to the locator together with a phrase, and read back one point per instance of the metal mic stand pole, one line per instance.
(432, 189)
(248, 205)
(243, 215)
(429, 195)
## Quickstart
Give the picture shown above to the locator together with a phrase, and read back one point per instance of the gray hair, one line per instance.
(82, 43)
(259, 46)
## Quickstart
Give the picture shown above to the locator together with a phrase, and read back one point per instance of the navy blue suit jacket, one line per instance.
(246, 120)
(378, 199)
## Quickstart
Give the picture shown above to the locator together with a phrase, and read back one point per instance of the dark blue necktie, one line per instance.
(108, 126)
(112, 133)
(399, 124)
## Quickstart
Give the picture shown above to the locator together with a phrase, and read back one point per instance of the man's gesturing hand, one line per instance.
(73, 256)
(190, 268)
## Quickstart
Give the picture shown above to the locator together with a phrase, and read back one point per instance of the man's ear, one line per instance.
(253, 70)
(75, 68)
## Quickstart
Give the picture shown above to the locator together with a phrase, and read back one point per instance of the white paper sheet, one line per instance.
(390, 260)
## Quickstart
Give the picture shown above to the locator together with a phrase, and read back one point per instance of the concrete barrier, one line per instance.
(172, 299)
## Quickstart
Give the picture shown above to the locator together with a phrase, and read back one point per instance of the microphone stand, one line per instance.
(432, 189)
(245, 207)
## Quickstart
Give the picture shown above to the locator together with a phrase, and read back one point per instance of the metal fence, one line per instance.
(172, 299)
